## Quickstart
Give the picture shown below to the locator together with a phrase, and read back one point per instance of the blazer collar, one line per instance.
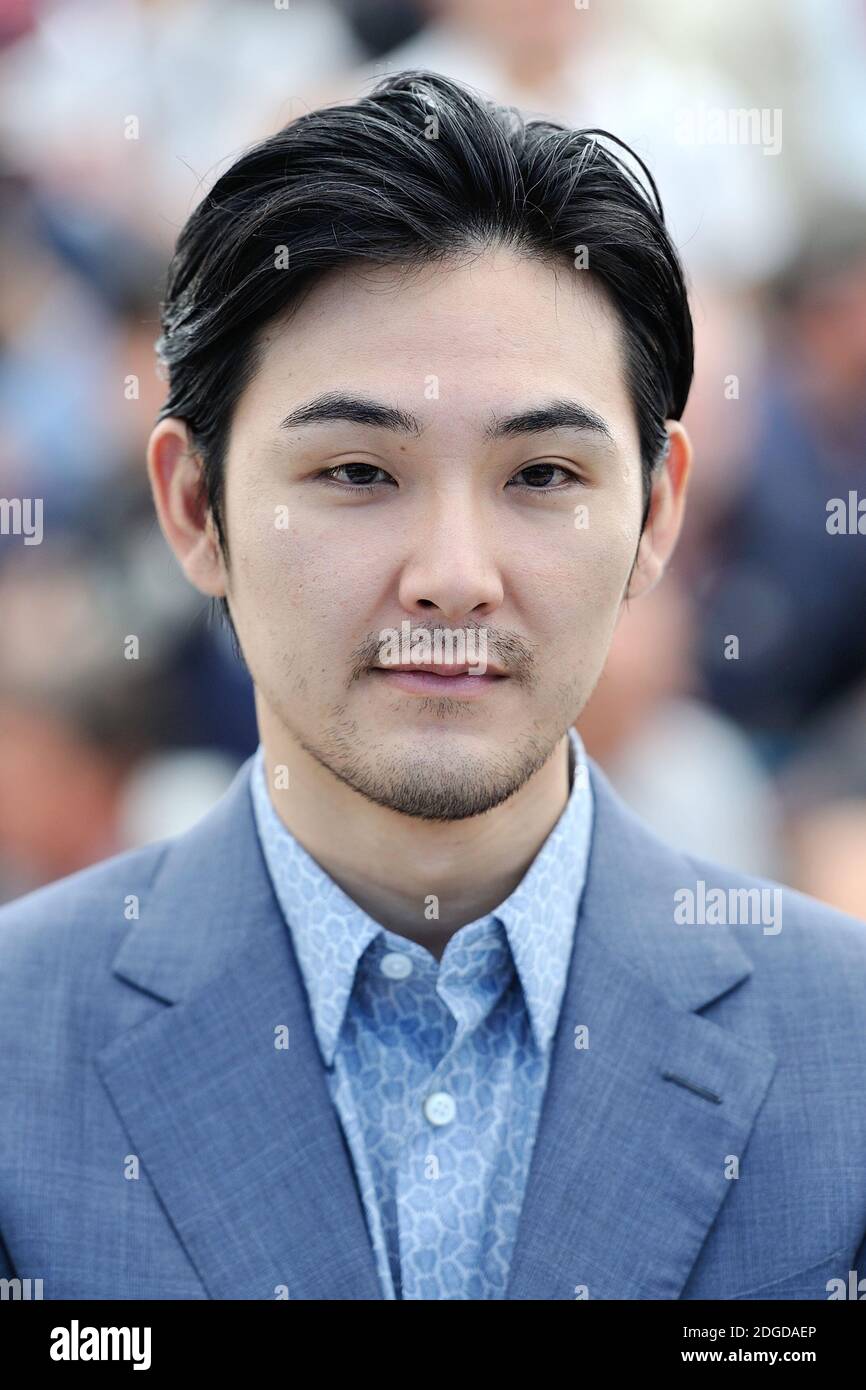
(239, 1135)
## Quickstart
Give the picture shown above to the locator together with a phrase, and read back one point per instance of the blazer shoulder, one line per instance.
(771, 919)
(79, 917)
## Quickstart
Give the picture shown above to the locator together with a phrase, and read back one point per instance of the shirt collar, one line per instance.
(330, 932)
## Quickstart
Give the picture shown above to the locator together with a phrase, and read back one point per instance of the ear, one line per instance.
(175, 472)
(665, 515)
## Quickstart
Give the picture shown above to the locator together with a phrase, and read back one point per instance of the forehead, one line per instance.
(485, 328)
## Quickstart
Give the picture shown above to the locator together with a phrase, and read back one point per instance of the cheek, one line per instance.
(603, 565)
(606, 546)
(295, 576)
(574, 583)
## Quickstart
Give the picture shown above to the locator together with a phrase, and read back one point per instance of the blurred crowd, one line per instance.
(732, 712)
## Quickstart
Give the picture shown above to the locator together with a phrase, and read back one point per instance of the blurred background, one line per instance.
(732, 712)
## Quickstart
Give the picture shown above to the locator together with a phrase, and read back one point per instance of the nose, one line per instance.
(452, 567)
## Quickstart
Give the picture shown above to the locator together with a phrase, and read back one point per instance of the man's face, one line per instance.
(467, 522)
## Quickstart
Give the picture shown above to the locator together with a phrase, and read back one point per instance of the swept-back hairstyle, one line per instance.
(418, 171)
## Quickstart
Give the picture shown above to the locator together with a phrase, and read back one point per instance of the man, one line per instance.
(420, 1010)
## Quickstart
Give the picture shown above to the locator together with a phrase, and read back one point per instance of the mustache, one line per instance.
(506, 648)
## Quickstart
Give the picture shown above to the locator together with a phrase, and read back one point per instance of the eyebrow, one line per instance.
(554, 415)
(360, 410)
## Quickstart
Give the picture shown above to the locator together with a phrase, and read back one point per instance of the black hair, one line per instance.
(418, 171)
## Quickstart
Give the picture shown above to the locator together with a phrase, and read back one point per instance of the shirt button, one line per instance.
(395, 965)
(440, 1108)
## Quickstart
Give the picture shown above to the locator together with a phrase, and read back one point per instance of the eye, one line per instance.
(539, 476)
(361, 476)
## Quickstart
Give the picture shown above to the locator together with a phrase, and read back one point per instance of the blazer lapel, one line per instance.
(629, 1167)
(236, 1132)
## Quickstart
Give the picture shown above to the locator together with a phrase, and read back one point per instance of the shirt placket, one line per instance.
(428, 1192)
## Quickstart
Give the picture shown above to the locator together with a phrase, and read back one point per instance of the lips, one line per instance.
(431, 678)
(441, 669)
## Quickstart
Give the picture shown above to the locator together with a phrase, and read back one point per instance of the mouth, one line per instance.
(439, 679)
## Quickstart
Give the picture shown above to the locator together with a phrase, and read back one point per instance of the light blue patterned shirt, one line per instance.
(437, 1069)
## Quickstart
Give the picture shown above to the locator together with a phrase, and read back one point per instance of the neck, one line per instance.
(420, 879)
